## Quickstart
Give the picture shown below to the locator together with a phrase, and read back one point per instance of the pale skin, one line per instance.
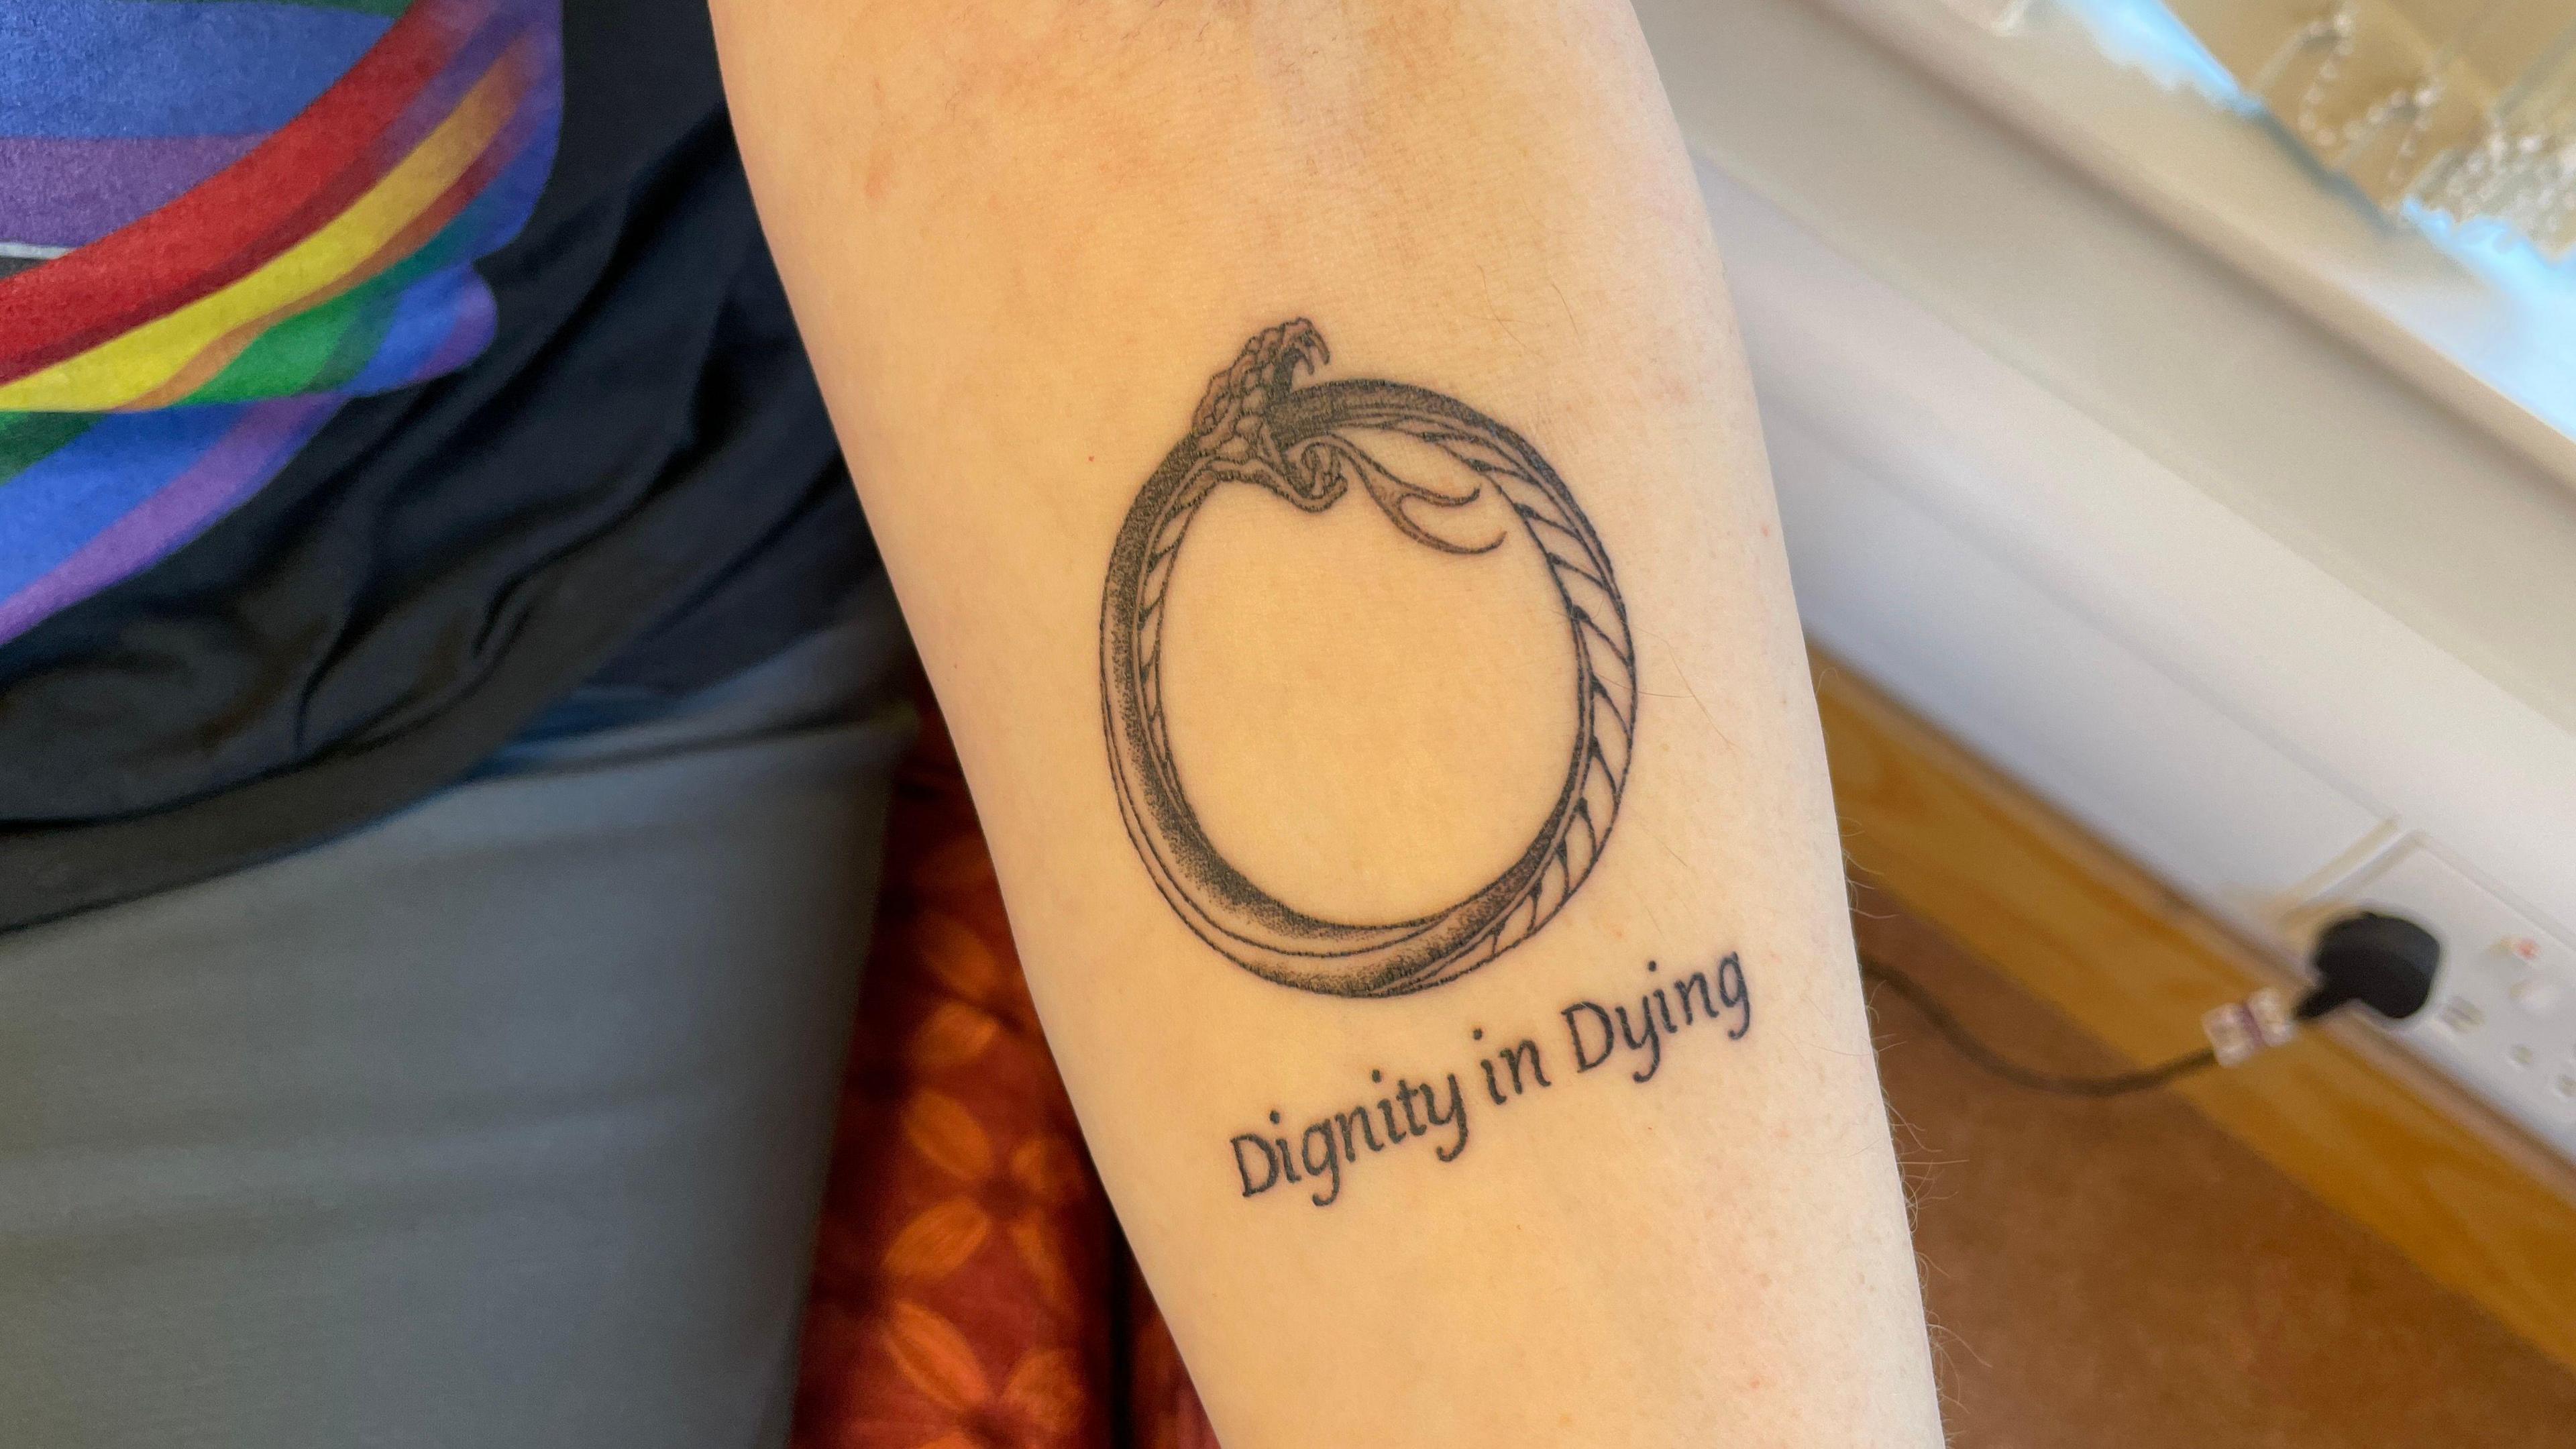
(1020, 238)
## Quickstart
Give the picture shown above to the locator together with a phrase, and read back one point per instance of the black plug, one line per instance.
(2384, 962)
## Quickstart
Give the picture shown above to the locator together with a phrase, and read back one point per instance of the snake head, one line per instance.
(1232, 425)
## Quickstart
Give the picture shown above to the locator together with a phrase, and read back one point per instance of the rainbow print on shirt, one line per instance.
(219, 221)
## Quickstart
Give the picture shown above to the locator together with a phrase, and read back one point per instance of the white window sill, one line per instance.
(2392, 468)
(2486, 328)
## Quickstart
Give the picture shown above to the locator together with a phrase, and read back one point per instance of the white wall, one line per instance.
(2254, 608)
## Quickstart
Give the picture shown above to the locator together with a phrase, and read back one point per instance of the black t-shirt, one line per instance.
(636, 482)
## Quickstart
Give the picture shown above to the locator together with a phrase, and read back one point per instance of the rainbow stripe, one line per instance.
(156, 374)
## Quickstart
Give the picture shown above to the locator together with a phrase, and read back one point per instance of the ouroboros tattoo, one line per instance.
(1256, 426)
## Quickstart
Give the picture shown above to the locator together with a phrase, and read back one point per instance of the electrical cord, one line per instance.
(1994, 1063)
(2384, 962)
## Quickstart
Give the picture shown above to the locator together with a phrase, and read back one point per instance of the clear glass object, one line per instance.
(2463, 108)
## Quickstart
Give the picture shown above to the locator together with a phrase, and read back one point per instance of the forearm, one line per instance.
(1020, 238)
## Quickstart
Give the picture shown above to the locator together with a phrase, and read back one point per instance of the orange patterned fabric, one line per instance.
(970, 1289)
(1164, 1404)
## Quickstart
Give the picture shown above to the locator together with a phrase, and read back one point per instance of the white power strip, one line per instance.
(2503, 1014)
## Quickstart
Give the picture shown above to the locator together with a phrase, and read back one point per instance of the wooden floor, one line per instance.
(2298, 1252)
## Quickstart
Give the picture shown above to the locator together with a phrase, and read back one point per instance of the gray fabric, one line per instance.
(500, 1122)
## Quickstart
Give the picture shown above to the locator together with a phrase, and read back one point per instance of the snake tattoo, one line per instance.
(1307, 444)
